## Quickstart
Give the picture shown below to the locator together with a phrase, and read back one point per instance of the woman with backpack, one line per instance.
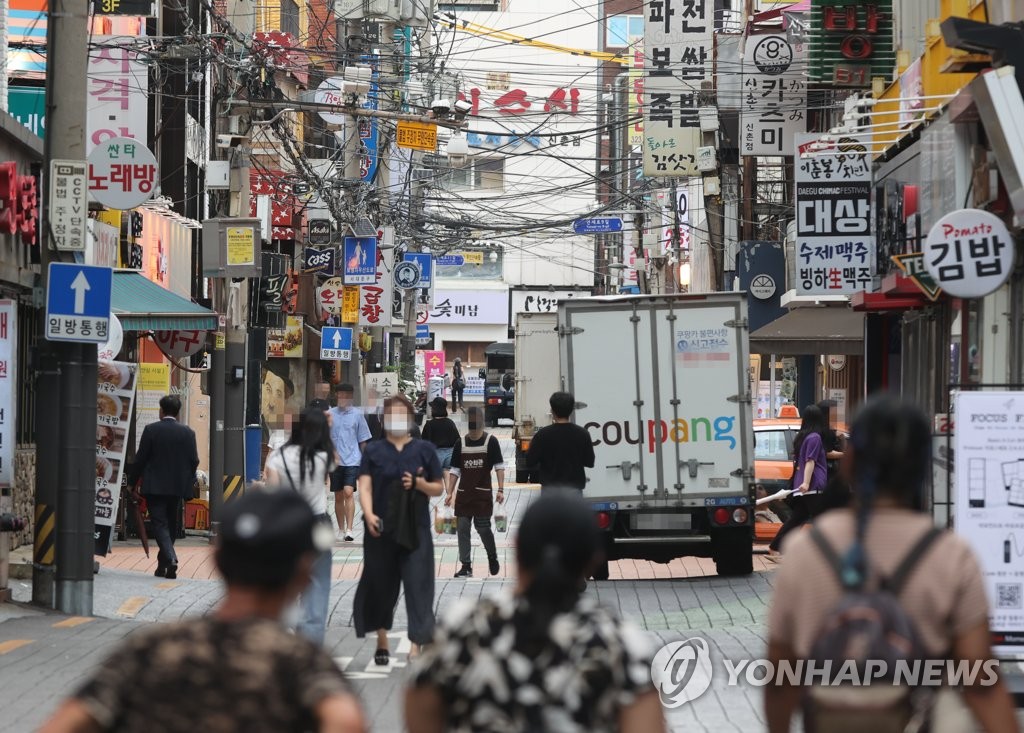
(879, 584)
(810, 474)
(303, 464)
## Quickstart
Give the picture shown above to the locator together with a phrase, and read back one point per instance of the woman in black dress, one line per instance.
(397, 476)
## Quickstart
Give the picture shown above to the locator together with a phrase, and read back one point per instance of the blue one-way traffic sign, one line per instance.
(598, 225)
(78, 303)
(336, 343)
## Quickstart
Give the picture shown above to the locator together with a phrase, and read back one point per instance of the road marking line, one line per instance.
(10, 646)
(72, 622)
(132, 606)
(168, 585)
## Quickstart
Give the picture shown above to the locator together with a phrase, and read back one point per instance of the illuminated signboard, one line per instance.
(851, 42)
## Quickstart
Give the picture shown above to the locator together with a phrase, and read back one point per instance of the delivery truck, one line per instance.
(537, 377)
(661, 386)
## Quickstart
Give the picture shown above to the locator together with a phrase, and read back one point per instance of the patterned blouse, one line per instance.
(592, 666)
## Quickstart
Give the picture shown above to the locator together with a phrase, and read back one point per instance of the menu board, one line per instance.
(115, 397)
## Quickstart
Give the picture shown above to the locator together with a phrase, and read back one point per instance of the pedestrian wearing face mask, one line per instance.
(397, 476)
(475, 456)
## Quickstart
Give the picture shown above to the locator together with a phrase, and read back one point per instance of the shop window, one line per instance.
(476, 174)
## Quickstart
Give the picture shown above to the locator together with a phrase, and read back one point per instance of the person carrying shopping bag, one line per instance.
(472, 462)
(303, 465)
(396, 479)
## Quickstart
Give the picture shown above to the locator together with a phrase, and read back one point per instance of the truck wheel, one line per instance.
(734, 553)
(601, 572)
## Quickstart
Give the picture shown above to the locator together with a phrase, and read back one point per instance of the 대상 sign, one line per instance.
(8, 388)
(774, 96)
(835, 250)
(989, 480)
(678, 55)
(115, 397)
(969, 253)
(122, 173)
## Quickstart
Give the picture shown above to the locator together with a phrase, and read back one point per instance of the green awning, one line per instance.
(142, 305)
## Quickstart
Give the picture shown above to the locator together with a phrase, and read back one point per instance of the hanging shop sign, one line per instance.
(329, 296)
(320, 260)
(118, 85)
(678, 51)
(774, 96)
(179, 345)
(375, 299)
(835, 250)
(143, 8)
(122, 173)
(912, 266)
(350, 304)
(969, 253)
(851, 42)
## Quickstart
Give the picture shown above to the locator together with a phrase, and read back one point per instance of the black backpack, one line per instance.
(869, 625)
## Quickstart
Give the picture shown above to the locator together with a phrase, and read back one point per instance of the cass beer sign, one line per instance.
(319, 260)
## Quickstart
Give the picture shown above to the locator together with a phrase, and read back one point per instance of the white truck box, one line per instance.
(537, 377)
(661, 385)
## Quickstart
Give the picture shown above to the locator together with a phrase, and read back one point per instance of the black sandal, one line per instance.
(381, 657)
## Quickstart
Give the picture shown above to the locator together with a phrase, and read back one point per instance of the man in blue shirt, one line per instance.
(349, 433)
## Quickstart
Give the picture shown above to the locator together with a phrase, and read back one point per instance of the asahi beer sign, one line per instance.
(774, 107)
(835, 251)
(678, 55)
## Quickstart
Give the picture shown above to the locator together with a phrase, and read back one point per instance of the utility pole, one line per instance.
(677, 244)
(348, 30)
(66, 378)
(417, 204)
(748, 162)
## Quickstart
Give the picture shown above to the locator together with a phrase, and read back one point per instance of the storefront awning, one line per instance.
(142, 305)
(811, 331)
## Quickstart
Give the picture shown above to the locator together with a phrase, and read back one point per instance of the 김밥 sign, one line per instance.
(989, 481)
(835, 250)
(678, 45)
(115, 399)
(969, 253)
(774, 96)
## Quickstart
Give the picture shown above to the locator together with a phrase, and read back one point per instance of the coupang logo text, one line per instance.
(653, 433)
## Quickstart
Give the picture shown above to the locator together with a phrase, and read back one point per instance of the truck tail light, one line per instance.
(739, 516)
(493, 400)
(721, 515)
(604, 520)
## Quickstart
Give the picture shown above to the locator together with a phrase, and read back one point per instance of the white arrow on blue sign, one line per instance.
(336, 343)
(78, 303)
(598, 225)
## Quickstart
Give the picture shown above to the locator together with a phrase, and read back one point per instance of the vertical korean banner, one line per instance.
(154, 382)
(118, 86)
(678, 38)
(835, 251)
(375, 308)
(988, 445)
(774, 103)
(115, 400)
(8, 392)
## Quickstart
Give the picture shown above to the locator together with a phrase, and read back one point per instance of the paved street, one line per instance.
(44, 655)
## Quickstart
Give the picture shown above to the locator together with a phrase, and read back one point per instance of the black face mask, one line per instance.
(474, 425)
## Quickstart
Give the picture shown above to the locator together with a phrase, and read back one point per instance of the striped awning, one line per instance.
(142, 305)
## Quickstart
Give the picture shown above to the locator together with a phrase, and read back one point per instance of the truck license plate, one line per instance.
(660, 522)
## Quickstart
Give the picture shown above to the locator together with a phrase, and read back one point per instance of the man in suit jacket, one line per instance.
(166, 464)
